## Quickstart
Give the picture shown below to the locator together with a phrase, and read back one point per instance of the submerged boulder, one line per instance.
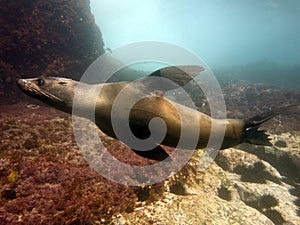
(55, 37)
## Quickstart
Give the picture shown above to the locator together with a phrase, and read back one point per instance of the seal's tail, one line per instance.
(251, 133)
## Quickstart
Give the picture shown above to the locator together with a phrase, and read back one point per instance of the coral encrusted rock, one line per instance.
(55, 37)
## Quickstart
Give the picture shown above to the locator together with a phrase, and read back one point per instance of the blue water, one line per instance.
(225, 34)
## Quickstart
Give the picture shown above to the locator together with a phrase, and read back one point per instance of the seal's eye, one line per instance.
(40, 81)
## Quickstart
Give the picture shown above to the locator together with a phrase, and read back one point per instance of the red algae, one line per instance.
(54, 38)
(53, 184)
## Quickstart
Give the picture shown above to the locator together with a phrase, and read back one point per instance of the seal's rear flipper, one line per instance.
(252, 135)
(158, 153)
(257, 137)
(260, 119)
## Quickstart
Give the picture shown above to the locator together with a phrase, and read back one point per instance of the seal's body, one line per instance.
(59, 93)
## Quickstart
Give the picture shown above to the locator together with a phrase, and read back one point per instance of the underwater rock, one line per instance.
(47, 180)
(249, 166)
(54, 37)
(280, 143)
(275, 202)
(286, 161)
(241, 188)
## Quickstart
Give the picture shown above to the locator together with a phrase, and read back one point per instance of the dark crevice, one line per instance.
(274, 216)
(143, 194)
(178, 189)
(224, 193)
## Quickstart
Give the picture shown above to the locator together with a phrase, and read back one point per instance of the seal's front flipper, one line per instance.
(169, 78)
(180, 75)
(158, 153)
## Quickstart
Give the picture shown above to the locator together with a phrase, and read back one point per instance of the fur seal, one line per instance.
(59, 93)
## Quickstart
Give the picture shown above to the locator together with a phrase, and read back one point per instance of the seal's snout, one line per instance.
(20, 82)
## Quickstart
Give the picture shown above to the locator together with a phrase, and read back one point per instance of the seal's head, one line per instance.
(55, 91)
